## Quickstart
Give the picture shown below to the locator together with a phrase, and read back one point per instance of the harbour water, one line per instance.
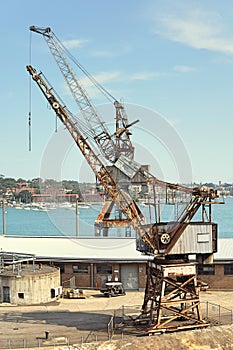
(62, 221)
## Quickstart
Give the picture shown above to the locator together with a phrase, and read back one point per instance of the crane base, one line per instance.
(171, 300)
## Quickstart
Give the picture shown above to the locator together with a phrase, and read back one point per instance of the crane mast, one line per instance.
(123, 142)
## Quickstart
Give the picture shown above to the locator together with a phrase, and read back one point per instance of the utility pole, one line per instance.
(3, 218)
(76, 212)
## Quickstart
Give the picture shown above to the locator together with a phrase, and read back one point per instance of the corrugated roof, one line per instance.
(225, 249)
(92, 248)
(99, 248)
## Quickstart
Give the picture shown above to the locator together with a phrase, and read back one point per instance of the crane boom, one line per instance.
(96, 125)
(150, 241)
(126, 204)
(110, 149)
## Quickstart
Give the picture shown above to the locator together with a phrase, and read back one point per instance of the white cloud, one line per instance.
(184, 69)
(196, 28)
(74, 43)
(147, 75)
(103, 53)
(103, 77)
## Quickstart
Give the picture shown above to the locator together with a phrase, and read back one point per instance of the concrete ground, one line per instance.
(73, 321)
(78, 320)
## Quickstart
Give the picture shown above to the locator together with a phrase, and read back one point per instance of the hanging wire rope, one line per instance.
(30, 98)
(77, 120)
(84, 128)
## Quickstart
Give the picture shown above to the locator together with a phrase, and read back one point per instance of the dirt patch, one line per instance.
(213, 338)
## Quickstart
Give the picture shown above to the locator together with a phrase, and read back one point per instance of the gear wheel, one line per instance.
(165, 238)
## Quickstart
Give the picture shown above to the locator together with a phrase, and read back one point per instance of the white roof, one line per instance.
(63, 248)
(225, 249)
(92, 248)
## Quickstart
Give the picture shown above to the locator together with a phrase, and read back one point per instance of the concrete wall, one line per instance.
(28, 289)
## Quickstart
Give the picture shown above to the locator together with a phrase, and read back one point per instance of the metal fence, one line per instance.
(216, 314)
(128, 314)
(111, 328)
(118, 326)
(40, 343)
(21, 343)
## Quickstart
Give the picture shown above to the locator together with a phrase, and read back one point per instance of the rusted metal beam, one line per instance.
(171, 299)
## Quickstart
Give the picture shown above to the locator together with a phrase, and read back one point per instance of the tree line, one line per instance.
(10, 187)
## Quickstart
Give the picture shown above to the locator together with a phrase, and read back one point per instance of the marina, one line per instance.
(47, 220)
(51, 220)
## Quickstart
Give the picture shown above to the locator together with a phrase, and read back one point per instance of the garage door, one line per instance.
(129, 276)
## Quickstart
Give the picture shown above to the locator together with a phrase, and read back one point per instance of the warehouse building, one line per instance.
(90, 262)
(86, 262)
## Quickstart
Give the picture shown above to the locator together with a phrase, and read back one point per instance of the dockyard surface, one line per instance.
(83, 324)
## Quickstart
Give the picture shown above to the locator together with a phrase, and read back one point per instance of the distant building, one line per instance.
(50, 198)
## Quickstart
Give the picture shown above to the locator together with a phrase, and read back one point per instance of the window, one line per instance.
(21, 295)
(203, 237)
(206, 269)
(80, 268)
(228, 269)
(104, 269)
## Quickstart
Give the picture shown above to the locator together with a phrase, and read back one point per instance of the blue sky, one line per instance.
(171, 58)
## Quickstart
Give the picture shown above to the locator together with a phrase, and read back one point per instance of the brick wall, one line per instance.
(82, 280)
(94, 279)
(219, 280)
(101, 277)
(97, 274)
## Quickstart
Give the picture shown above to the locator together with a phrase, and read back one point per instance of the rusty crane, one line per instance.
(171, 299)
